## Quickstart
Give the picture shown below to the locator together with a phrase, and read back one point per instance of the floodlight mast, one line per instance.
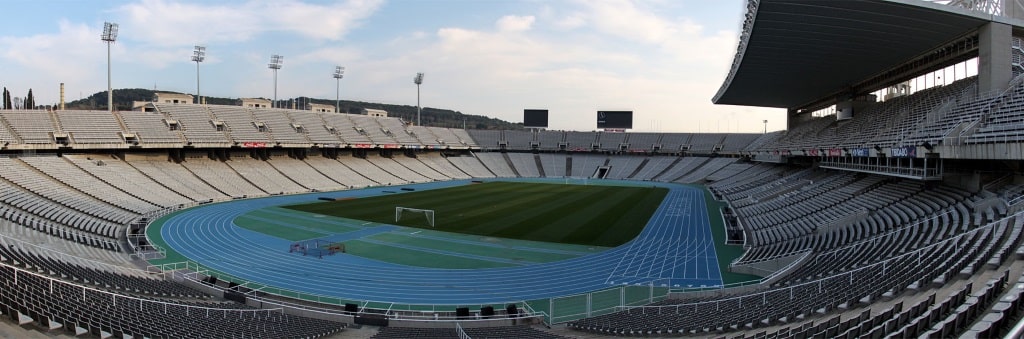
(109, 36)
(275, 64)
(339, 72)
(766, 127)
(418, 80)
(198, 56)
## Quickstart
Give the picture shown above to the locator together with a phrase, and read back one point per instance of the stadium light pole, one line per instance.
(418, 80)
(109, 36)
(198, 56)
(766, 127)
(339, 72)
(275, 64)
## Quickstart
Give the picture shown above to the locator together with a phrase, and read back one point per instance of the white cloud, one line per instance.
(177, 23)
(40, 52)
(571, 58)
(571, 21)
(576, 60)
(608, 55)
(72, 55)
(512, 23)
(336, 55)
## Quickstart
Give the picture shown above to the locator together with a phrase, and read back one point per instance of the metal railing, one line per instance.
(73, 259)
(114, 297)
(194, 272)
(462, 333)
(578, 306)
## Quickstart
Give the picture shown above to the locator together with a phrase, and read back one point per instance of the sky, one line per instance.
(662, 59)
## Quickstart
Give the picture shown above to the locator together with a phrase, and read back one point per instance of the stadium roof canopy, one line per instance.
(794, 52)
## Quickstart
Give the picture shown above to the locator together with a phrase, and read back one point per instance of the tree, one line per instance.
(7, 99)
(30, 101)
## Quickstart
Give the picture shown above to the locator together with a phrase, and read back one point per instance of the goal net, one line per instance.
(408, 212)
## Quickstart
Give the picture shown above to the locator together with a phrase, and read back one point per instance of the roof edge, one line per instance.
(741, 48)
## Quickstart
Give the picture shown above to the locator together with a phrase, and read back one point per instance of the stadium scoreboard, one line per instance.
(535, 118)
(615, 119)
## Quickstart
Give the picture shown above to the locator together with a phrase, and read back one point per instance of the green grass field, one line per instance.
(587, 215)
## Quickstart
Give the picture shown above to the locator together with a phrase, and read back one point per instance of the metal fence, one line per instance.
(578, 306)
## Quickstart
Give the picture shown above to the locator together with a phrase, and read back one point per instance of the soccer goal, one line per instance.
(429, 214)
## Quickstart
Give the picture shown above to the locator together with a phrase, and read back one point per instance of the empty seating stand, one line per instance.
(77, 310)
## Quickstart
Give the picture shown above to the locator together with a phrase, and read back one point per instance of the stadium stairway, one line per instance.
(512, 166)
(540, 166)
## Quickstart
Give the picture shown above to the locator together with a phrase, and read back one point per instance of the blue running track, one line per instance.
(675, 249)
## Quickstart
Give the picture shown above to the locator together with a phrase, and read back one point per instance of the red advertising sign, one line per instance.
(835, 152)
(254, 144)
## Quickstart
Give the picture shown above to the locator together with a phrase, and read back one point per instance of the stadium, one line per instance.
(891, 206)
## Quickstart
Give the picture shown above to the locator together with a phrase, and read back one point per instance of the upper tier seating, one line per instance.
(486, 139)
(196, 123)
(151, 128)
(240, 123)
(90, 127)
(314, 127)
(31, 126)
(281, 128)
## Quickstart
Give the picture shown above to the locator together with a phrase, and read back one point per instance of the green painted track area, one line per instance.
(409, 246)
(590, 215)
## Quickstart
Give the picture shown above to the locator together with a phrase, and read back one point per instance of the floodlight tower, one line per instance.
(109, 36)
(766, 127)
(275, 64)
(339, 72)
(418, 80)
(198, 56)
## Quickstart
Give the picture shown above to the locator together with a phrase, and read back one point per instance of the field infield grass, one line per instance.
(576, 214)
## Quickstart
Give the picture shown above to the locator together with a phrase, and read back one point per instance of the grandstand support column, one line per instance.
(791, 120)
(994, 57)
